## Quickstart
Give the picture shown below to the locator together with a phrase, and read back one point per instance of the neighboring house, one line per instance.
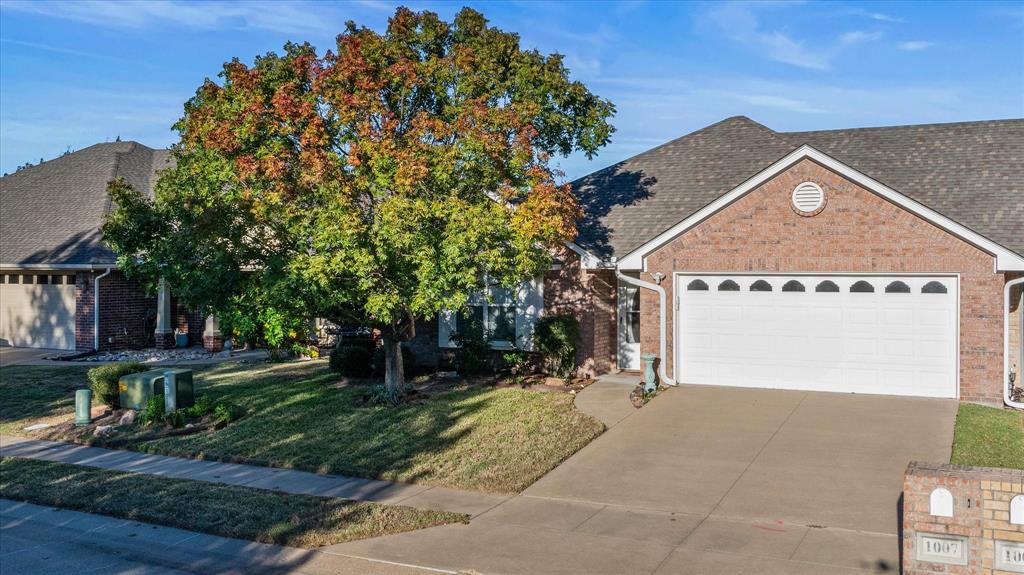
(866, 260)
(57, 277)
(872, 260)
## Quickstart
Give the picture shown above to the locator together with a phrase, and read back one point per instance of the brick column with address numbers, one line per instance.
(979, 538)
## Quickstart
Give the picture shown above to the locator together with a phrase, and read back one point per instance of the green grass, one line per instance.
(988, 437)
(498, 440)
(228, 511)
(30, 394)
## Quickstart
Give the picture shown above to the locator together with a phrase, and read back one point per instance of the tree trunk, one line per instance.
(394, 371)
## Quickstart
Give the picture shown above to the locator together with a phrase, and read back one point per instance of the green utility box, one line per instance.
(178, 391)
(136, 388)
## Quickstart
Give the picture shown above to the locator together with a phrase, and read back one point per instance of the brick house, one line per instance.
(872, 260)
(57, 277)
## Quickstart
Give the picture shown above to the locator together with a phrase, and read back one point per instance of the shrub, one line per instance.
(381, 395)
(154, 413)
(408, 360)
(474, 351)
(300, 349)
(103, 380)
(201, 407)
(154, 410)
(555, 338)
(225, 413)
(352, 360)
(515, 360)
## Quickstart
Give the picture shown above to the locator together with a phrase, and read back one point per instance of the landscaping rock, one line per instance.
(104, 430)
(154, 355)
(129, 417)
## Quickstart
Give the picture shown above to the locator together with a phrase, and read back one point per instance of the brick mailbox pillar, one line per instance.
(213, 341)
(164, 333)
(962, 520)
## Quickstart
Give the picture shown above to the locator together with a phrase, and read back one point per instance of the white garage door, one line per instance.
(893, 335)
(37, 310)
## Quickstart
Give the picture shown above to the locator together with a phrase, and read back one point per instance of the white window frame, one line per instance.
(483, 301)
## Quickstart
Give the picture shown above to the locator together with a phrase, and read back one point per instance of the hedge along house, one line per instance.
(867, 260)
(59, 283)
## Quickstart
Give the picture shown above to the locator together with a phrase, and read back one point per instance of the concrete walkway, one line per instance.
(286, 480)
(37, 539)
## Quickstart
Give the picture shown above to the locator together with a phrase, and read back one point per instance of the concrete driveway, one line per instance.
(16, 355)
(707, 480)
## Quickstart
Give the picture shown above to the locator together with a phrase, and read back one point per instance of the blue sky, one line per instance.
(76, 73)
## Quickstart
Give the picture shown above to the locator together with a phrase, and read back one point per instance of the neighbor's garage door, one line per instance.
(37, 310)
(865, 334)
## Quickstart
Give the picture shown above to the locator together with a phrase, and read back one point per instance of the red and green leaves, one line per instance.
(386, 175)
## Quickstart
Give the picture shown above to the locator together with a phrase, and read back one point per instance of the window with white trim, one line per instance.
(495, 315)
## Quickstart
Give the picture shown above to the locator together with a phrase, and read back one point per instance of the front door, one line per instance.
(629, 327)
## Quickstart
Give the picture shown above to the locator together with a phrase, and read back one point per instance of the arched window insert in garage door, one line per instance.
(934, 287)
(728, 285)
(827, 286)
(760, 285)
(697, 285)
(897, 287)
(862, 287)
(793, 286)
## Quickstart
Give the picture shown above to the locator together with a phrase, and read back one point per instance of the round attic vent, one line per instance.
(808, 198)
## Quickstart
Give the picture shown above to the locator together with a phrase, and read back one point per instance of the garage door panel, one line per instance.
(872, 342)
(37, 315)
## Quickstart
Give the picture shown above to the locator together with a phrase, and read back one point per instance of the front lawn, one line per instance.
(988, 437)
(34, 394)
(491, 439)
(225, 510)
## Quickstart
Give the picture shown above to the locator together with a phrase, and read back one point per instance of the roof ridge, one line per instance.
(899, 126)
(114, 175)
(741, 117)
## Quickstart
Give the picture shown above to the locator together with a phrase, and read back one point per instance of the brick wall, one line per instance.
(590, 296)
(127, 313)
(856, 232)
(189, 319)
(981, 503)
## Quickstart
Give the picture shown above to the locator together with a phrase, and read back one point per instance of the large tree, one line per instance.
(377, 183)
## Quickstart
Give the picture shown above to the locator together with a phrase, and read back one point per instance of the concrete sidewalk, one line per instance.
(37, 539)
(472, 503)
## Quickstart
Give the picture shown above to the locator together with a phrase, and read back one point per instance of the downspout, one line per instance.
(96, 309)
(1006, 344)
(662, 326)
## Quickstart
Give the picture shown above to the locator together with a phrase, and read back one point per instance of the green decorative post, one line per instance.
(83, 407)
(650, 381)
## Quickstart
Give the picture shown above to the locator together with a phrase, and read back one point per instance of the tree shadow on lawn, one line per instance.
(296, 418)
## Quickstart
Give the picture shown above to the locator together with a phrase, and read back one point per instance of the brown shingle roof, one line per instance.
(51, 213)
(971, 172)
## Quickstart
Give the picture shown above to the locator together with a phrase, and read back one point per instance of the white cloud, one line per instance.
(283, 17)
(882, 17)
(741, 23)
(859, 37)
(50, 48)
(915, 45)
(782, 103)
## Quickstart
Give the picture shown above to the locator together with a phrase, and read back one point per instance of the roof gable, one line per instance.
(1006, 259)
(51, 213)
(970, 172)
